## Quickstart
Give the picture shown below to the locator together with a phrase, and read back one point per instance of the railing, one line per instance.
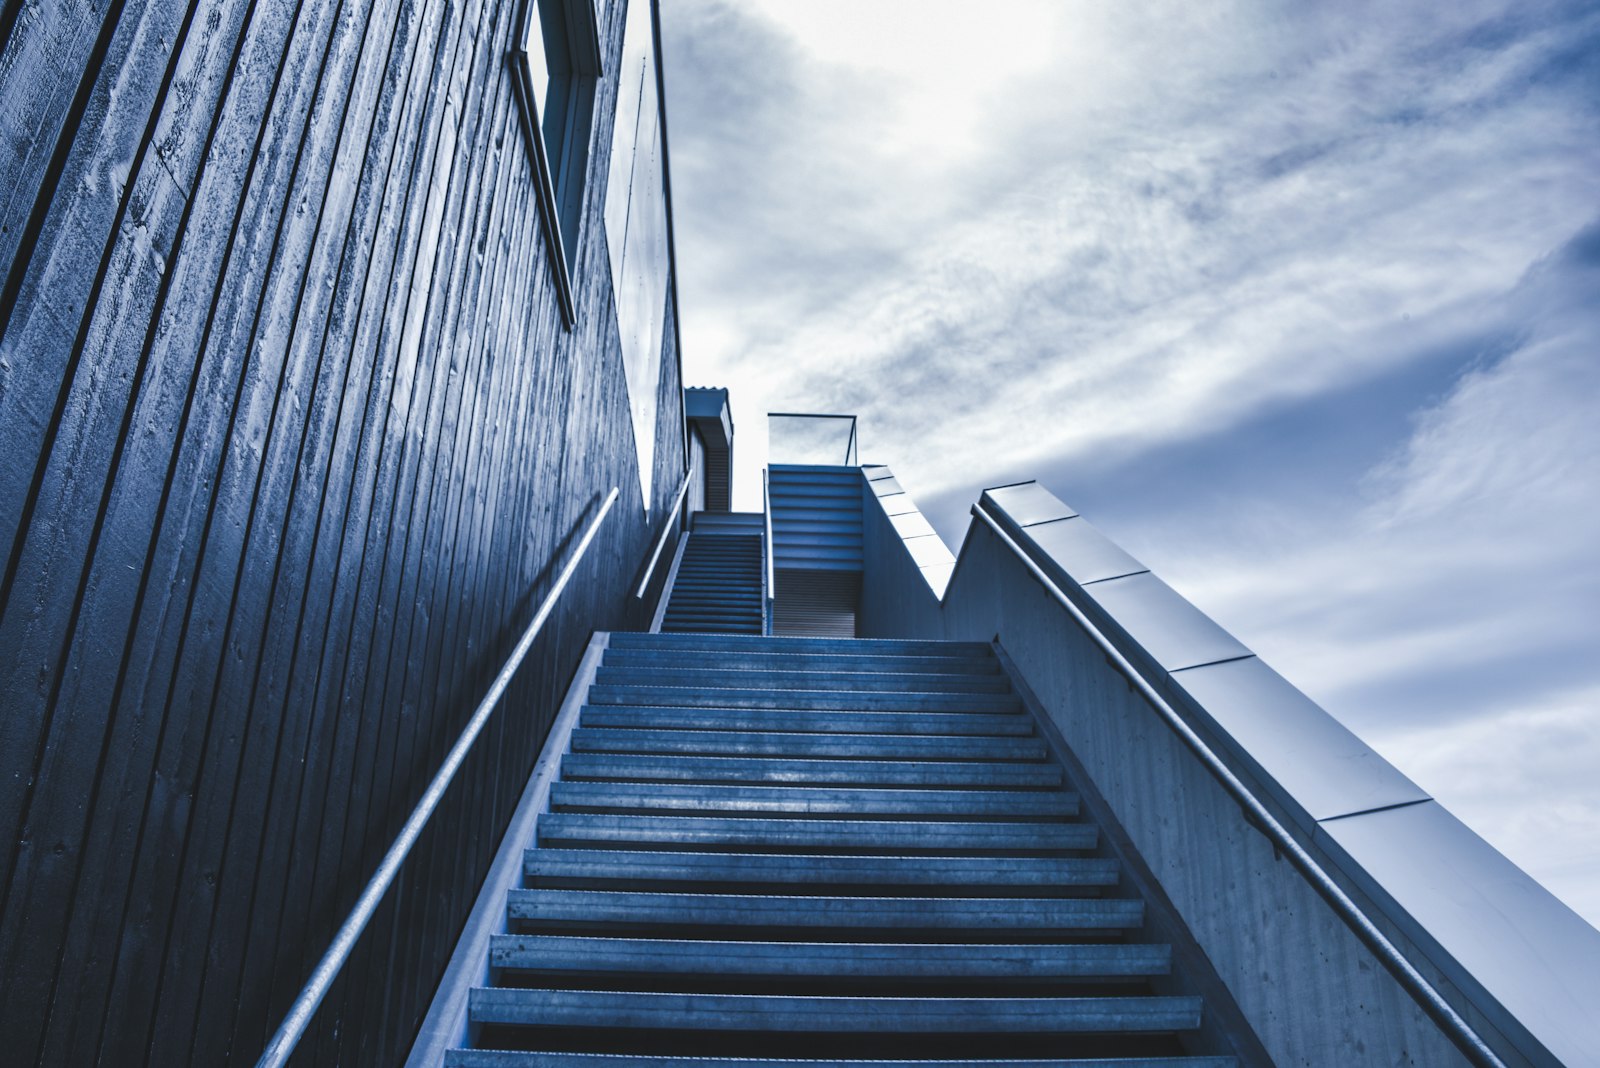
(661, 539)
(769, 551)
(811, 438)
(283, 1042)
(1460, 1031)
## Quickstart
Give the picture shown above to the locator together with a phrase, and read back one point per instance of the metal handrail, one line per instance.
(661, 539)
(1414, 981)
(766, 512)
(283, 1042)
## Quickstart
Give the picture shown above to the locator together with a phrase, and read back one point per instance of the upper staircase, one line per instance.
(827, 849)
(717, 586)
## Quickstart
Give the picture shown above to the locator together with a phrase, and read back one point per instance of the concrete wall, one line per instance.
(1516, 963)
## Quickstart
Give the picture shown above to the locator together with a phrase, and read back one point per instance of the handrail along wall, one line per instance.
(284, 1040)
(770, 550)
(1461, 1032)
(661, 539)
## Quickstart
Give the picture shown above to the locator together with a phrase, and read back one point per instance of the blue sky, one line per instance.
(1300, 303)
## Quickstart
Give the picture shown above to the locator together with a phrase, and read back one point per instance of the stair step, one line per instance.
(497, 1058)
(618, 910)
(666, 767)
(893, 682)
(824, 847)
(888, 960)
(872, 1015)
(778, 743)
(743, 719)
(750, 590)
(816, 700)
(566, 867)
(810, 800)
(874, 646)
(714, 661)
(785, 835)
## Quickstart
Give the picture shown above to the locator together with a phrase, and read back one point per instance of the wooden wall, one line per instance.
(293, 441)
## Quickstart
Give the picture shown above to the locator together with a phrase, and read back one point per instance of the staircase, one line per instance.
(718, 585)
(835, 850)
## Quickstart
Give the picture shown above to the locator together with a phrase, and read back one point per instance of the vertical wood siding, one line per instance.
(294, 441)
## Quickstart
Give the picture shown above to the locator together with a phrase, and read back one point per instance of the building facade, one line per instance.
(327, 328)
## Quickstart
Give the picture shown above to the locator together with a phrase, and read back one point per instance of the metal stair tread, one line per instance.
(856, 801)
(546, 952)
(781, 743)
(854, 870)
(869, 835)
(767, 679)
(619, 909)
(797, 770)
(818, 700)
(945, 724)
(495, 1058)
(789, 1012)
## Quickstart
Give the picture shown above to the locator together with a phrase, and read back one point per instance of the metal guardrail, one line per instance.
(661, 539)
(766, 513)
(284, 1040)
(1460, 1031)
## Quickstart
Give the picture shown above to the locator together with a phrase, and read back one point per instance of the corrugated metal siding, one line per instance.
(816, 517)
(716, 480)
(817, 604)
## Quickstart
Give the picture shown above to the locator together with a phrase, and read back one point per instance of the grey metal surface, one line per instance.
(928, 549)
(932, 960)
(815, 800)
(611, 869)
(932, 558)
(938, 576)
(1477, 917)
(911, 525)
(638, 908)
(1531, 953)
(810, 722)
(497, 1058)
(648, 905)
(780, 835)
(1308, 759)
(1171, 631)
(897, 503)
(796, 1013)
(1178, 631)
(1027, 503)
(1081, 552)
(667, 767)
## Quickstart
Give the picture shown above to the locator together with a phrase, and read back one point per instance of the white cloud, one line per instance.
(1524, 778)
(1150, 225)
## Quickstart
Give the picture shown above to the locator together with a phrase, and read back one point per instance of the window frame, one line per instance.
(561, 190)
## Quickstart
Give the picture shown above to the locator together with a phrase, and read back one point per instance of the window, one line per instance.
(556, 65)
(637, 232)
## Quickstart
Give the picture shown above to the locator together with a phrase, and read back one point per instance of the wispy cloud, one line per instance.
(1298, 303)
